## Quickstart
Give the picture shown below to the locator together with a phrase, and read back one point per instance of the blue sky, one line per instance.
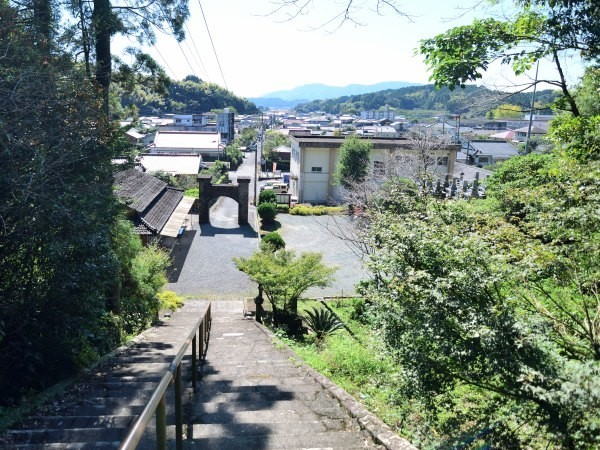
(260, 51)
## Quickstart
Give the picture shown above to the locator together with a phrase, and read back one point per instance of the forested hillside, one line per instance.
(473, 100)
(190, 96)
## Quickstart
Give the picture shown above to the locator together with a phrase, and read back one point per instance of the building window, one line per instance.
(317, 169)
(442, 161)
(378, 168)
(484, 160)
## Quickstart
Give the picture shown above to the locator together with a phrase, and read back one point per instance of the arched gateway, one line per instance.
(238, 192)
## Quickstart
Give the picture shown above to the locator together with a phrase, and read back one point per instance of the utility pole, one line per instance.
(527, 147)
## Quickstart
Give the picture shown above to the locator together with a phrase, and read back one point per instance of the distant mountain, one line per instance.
(473, 99)
(310, 92)
(275, 103)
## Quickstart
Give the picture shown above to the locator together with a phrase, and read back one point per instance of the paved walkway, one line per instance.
(253, 395)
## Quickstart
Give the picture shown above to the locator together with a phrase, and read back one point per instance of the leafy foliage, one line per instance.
(322, 322)
(170, 300)
(353, 164)
(267, 212)
(500, 296)
(143, 275)
(284, 277)
(267, 196)
(56, 208)
(218, 171)
(319, 210)
(471, 100)
(190, 96)
(538, 29)
(272, 242)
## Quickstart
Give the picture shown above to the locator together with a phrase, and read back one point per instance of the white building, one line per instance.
(314, 160)
(206, 144)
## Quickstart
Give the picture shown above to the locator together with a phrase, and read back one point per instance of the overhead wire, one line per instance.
(136, 20)
(189, 33)
(165, 18)
(213, 44)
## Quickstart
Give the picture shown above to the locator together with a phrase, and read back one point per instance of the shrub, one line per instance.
(322, 322)
(170, 300)
(307, 210)
(267, 211)
(267, 196)
(283, 209)
(272, 241)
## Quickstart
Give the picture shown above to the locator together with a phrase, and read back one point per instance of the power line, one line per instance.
(213, 44)
(197, 52)
(165, 61)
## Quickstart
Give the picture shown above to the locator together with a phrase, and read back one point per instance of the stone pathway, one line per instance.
(253, 395)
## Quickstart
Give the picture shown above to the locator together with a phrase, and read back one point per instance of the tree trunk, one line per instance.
(42, 24)
(101, 19)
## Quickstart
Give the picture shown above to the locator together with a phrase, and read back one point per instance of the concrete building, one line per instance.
(206, 144)
(314, 160)
(226, 125)
(386, 113)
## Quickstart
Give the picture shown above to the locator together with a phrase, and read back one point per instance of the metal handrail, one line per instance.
(198, 337)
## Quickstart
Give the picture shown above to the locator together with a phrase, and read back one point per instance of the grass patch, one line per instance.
(318, 210)
(357, 364)
(194, 192)
(361, 365)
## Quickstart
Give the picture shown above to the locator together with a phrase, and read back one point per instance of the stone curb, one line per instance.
(380, 432)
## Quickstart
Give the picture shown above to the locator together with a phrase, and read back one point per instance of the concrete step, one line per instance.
(272, 428)
(69, 445)
(59, 435)
(64, 422)
(328, 440)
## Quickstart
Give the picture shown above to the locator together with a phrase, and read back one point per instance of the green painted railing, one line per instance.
(157, 405)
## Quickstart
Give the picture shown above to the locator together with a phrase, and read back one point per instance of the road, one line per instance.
(203, 266)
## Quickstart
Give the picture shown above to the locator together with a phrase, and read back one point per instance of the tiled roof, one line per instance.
(137, 188)
(159, 212)
(150, 197)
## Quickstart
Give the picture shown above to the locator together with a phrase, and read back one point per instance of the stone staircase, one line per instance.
(97, 411)
(250, 395)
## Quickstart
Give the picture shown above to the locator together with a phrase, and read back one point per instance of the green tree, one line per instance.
(248, 137)
(353, 164)
(267, 196)
(507, 111)
(539, 29)
(284, 277)
(218, 171)
(273, 140)
(498, 296)
(267, 211)
(57, 265)
(272, 241)
(142, 277)
(234, 155)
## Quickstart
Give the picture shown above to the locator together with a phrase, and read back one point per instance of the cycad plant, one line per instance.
(322, 322)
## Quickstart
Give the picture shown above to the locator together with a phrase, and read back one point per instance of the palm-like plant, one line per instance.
(322, 322)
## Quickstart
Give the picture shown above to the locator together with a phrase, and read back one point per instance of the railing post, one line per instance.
(201, 340)
(161, 424)
(178, 409)
(194, 361)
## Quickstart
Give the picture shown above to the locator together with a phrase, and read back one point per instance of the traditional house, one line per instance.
(157, 210)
